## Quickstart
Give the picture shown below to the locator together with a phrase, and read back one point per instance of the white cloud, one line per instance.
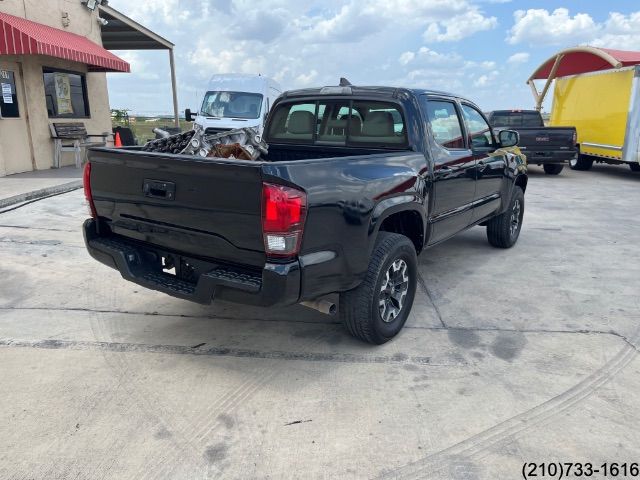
(459, 26)
(620, 31)
(140, 66)
(350, 24)
(302, 44)
(539, 27)
(486, 80)
(481, 81)
(406, 57)
(235, 59)
(307, 78)
(425, 56)
(520, 57)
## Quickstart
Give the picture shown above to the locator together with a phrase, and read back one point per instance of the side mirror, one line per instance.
(189, 116)
(508, 138)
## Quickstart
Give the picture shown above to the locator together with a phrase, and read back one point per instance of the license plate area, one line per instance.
(177, 266)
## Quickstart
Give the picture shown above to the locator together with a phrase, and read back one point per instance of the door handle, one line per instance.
(159, 189)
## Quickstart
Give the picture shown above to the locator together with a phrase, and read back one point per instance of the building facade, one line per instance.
(40, 85)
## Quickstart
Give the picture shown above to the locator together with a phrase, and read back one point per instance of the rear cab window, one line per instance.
(339, 122)
(506, 119)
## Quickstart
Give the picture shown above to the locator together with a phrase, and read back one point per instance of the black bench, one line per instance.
(71, 137)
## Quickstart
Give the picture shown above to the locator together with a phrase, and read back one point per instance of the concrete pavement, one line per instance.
(26, 186)
(529, 354)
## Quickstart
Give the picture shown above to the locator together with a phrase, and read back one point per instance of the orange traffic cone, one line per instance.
(117, 142)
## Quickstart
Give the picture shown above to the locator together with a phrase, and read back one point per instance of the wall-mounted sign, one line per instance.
(63, 93)
(8, 95)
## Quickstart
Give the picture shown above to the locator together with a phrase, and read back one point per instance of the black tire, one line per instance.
(582, 162)
(552, 168)
(360, 308)
(502, 232)
(635, 167)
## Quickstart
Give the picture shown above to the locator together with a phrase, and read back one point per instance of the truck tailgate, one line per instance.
(210, 208)
(547, 138)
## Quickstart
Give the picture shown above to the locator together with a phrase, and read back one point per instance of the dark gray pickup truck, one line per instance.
(550, 147)
(357, 181)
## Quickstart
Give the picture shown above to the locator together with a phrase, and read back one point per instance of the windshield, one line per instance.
(231, 105)
(516, 119)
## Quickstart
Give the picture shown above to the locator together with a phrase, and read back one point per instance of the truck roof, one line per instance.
(514, 110)
(382, 91)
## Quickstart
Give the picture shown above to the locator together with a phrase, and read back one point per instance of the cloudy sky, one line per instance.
(482, 49)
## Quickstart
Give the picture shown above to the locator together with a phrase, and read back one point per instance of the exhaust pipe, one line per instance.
(323, 306)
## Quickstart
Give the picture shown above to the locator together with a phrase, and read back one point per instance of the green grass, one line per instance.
(143, 128)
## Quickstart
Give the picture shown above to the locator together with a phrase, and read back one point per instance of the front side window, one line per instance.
(477, 127)
(340, 122)
(445, 124)
(231, 105)
(65, 94)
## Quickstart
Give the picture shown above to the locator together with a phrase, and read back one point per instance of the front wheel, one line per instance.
(552, 168)
(503, 231)
(378, 308)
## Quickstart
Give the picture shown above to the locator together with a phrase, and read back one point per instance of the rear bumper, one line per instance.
(548, 156)
(198, 281)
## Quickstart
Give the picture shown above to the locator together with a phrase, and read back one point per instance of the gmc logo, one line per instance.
(542, 139)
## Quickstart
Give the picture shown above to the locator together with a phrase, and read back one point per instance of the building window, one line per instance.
(65, 93)
(8, 95)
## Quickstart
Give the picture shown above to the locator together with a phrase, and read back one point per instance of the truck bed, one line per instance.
(208, 207)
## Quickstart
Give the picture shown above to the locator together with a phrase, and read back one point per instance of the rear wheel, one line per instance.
(635, 167)
(378, 308)
(552, 168)
(503, 231)
(580, 163)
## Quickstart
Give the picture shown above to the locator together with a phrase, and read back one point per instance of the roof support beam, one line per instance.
(174, 87)
(552, 75)
(123, 33)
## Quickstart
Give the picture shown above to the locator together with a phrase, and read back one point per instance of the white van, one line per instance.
(235, 101)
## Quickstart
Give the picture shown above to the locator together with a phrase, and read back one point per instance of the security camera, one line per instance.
(102, 21)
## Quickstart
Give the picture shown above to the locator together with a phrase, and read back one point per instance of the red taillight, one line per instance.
(284, 210)
(86, 182)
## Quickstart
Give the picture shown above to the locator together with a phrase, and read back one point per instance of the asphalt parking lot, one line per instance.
(523, 355)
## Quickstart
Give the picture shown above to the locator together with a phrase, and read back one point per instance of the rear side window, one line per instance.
(295, 122)
(445, 124)
(339, 122)
(477, 127)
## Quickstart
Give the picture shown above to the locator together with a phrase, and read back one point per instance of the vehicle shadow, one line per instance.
(622, 172)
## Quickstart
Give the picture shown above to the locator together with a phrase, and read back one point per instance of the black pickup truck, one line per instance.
(550, 147)
(357, 181)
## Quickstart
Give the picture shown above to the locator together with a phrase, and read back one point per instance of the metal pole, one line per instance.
(534, 91)
(552, 76)
(174, 86)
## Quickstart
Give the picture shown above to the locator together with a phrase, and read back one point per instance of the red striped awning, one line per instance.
(24, 37)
